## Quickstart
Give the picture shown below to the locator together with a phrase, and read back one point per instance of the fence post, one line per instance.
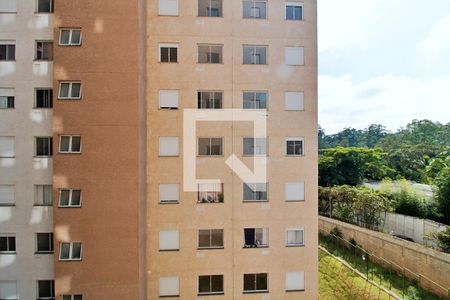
(449, 293)
(403, 283)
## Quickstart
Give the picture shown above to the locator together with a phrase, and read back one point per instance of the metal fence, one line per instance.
(400, 281)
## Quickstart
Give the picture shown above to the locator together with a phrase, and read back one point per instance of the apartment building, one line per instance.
(232, 239)
(26, 71)
(94, 199)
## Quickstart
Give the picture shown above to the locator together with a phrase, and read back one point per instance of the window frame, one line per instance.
(160, 99)
(169, 15)
(220, 10)
(41, 188)
(166, 249)
(52, 7)
(9, 100)
(244, 153)
(294, 229)
(171, 201)
(294, 3)
(210, 246)
(72, 297)
(295, 139)
(70, 151)
(169, 295)
(301, 98)
(69, 97)
(48, 98)
(52, 290)
(266, 59)
(49, 144)
(210, 147)
(8, 45)
(210, 92)
(210, 60)
(286, 186)
(51, 243)
(49, 53)
(255, 282)
(71, 30)
(255, 99)
(301, 63)
(252, 7)
(265, 235)
(244, 184)
(169, 46)
(218, 196)
(69, 205)
(168, 138)
(199, 293)
(13, 203)
(71, 244)
(10, 240)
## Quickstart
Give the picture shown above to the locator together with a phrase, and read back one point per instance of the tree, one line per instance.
(351, 166)
(442, 193)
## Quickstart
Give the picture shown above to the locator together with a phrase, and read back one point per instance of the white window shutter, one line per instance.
(294, 101)
(169, 286)
(8, 6)
(8, 289)
(168, 146)
(7, 194)
(168, 240)
(168, 99)
(168, 8)
(6, 146)
(169, 192)
(294, 56)
(295, 281)
(295, 191)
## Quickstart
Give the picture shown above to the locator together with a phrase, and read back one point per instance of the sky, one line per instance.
(383, 62)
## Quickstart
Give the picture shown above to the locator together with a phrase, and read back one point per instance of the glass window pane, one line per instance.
(64, 197)
(64, 37)
(216, 55)
(77, 297)
(76, 144)
(164, 54)
(64, 145)
(48, 194)
(64, 90)
(76, 89)
(217, 238)
(203, 51)
(76, 250)
(43, 242)
(249, 282)
(44, 6)
(204, 238)
(261, 281)
(204, 284)
(76, 37)
(217, 283)
(65, 251)
(203, 146)
(76, 198)
(44, 288)
(216, 146)
(173, 54)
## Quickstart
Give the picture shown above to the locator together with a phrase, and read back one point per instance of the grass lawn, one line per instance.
(337, 281)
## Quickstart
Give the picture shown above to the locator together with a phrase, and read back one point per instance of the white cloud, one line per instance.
(389, 100)
(438, 40)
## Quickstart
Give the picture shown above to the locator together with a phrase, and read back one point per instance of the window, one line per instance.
(210, 146)
(210, 54)
(294, 10)
(43, 98)
(293, 101)
(44, 146)
(7, 148)
(8, 289)
(168, 99)
(168, 8)
(168, 240)
(254, 100)
(295, 191)
(254, 283)
(254, 146)
(169, 287)
(6, 102)
(69, 198)
(256, 9)
(210, 193)
(7, 195)
(294, 56)
(44, 6)
(69, 144)
(210, 284)
(7, 244)
(294, 237)
(46, 289)
(7, 51)
(256, 237)
(210, 238)
(43, 195)
(72, 297)
(44, 242)
(70, 251)
(294, 146)
(209, 99)
(210, 8)
(169, 193)
(255, 192)
(295, 281)
(69, 90)
(8, 6)
(255, 55)
(168, 146)
(70, 37)
(44, 50)
(168, 53)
